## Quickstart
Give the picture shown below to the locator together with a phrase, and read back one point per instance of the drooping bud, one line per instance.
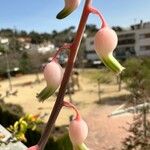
(78, 131)
(35, 147)
(105, 42)
(70, 6)
(53, 74)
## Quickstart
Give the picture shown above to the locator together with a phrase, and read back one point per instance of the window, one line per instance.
(143, 36)
(92, 43)
(129, 35)
(124, 42)
(145, 48)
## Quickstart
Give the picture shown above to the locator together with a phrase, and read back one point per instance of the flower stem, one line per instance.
(65, 46)
(72, 57)
(69, 105)
(97, 12)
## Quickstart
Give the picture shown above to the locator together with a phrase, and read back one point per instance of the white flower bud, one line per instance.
(105, 41)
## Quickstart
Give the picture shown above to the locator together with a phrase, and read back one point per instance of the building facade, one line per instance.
(134, 41)
(90, 54)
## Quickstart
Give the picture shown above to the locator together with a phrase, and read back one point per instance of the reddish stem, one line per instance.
(97, 12)
(65, 46)
(73, 53)
(70, 105)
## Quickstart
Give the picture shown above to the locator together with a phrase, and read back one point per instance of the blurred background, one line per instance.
(116, 108)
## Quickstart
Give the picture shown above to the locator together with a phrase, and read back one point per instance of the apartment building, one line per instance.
(134, 41)
(90, 54)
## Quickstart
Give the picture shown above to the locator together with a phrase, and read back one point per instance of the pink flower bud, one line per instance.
(78, 131)
(53, 74)
(105, 41)
(70, 6)
(35, 147)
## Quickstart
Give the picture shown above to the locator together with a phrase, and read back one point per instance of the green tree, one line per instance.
(23, 33)
(6, 33)
(14, 45)
(24, 63)
(137, 78)
(91, 30)
(35, 37)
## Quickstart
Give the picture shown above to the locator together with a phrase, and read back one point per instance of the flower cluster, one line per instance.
(26, 122)
(105, 43)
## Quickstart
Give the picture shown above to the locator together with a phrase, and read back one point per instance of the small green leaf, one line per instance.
(16, 126)
(34, 127)
(23, 126)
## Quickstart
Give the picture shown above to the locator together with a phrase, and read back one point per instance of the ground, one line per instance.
(104, 132)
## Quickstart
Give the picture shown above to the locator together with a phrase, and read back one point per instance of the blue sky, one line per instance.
(39, 15)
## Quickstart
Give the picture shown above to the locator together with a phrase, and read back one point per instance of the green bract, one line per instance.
(112, 64)
(80, 147)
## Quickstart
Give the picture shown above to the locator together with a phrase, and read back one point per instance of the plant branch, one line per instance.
(70, 105)
(97, 12)
(65, 46)
(72, 57)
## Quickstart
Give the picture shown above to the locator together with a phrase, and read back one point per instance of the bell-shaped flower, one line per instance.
(78, 131)
(53, 74)
(105, 42)
(70, 6)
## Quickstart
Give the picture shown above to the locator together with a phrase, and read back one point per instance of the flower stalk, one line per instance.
(69, 105)
(72, 57)
(97, 12)
(105, 42)
(65, 46)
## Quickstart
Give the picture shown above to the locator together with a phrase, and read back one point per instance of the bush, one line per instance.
(59, 140)
(104, 76)
(24, 63)
(137, 76)
(56, 141)
(9, 113)
(64, 143)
